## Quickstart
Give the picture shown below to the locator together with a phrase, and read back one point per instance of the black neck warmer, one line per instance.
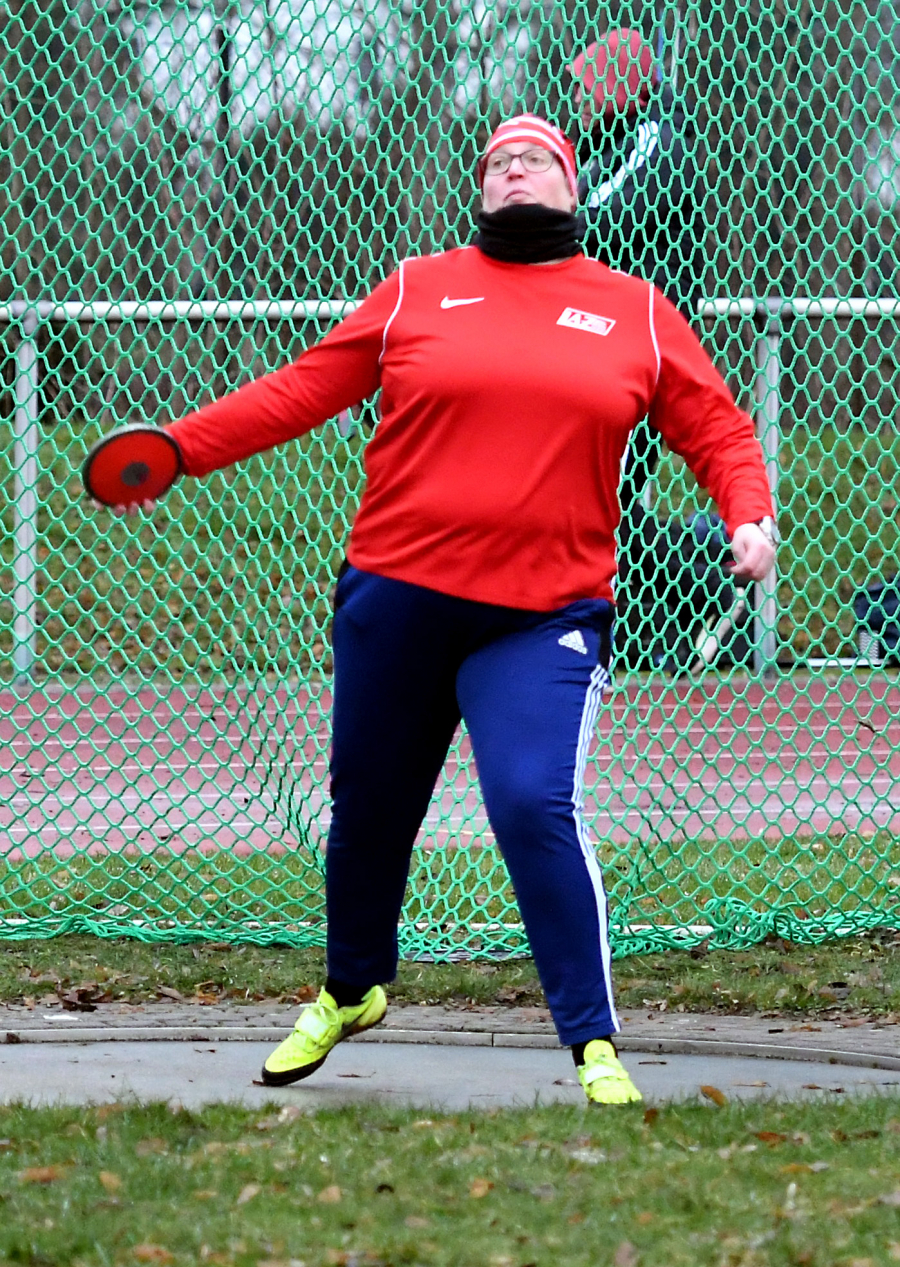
(527, 233)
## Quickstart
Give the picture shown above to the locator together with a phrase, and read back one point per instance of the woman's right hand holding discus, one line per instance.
(131, 508)
(129, 468)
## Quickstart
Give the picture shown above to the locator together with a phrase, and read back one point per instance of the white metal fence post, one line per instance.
(768, 394)
(26, 429)
(25, 498)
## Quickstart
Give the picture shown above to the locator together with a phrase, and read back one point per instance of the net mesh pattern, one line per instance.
(192, 194)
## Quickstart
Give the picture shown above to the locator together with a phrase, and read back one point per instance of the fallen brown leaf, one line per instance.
(81, 998)
(150, 1147)
(41, 1174)
(110, 1181)
(330, 1195)
(247, 1193)
(625, 1256)
(771, 1137)
(103, 1111)
(714, 1094)
(840, 1209)
(283, 1117)
(303, 994)
(479, 1188)
(148, 1253)
(650, 1116)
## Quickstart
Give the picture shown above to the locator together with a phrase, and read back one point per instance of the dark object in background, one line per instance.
(674, 579)
(641, 191)
(877, 609)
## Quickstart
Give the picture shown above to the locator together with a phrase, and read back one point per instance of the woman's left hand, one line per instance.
(754, 553)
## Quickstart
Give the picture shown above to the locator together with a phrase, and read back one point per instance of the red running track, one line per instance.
(91, 772)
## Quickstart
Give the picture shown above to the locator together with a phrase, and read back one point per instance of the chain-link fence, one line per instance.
(192, 193)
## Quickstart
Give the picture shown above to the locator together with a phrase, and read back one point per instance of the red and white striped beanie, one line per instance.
(528, 127)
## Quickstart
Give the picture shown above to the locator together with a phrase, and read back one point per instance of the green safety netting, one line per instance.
(191, 193)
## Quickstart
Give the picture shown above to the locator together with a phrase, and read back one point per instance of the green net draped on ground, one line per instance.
(192, 193)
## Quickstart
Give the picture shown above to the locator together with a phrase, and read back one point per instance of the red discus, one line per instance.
(132, 464)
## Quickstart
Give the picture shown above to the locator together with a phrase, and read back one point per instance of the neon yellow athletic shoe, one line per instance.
(320, 1027)
(604, 1077)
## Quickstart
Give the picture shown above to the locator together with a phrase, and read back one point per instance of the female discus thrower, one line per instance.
(478, 581)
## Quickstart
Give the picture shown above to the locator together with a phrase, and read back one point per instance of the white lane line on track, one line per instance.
(18, 834)
(55, 799)
(633, 819)
(879, 788)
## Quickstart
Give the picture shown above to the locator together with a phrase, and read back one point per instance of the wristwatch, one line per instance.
(769, 529)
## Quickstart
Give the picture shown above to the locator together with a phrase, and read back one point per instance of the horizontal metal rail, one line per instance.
(799, 307)
(104, 311)
(29, 315)
(775, 312)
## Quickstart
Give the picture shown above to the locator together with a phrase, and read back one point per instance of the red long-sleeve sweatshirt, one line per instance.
(508, 392)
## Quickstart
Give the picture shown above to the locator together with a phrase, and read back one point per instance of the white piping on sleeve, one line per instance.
(599, 682)
(393, 314)
(653, 333)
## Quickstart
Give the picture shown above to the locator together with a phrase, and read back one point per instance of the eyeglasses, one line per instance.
(536, 160)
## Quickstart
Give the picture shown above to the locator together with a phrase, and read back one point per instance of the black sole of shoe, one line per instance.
(291, 1075)
(297, 1075)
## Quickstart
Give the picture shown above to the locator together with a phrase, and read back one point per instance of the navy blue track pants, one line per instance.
(408, 663)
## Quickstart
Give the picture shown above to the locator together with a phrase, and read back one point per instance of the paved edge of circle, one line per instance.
(839, 1048)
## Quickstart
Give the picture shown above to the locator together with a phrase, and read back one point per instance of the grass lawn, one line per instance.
(736, 1186)
(459, 898)
(859, 976)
